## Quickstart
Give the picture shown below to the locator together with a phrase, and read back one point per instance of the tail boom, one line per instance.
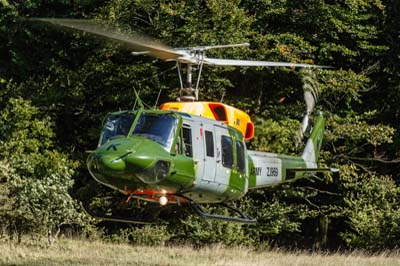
(266, 169)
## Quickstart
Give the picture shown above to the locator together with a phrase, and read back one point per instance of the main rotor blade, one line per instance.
(132, 41)
(230, 62)
(144, 45)
(210, 47)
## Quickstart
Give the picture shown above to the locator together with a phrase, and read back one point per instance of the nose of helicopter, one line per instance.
(129, 160)
(114, 163)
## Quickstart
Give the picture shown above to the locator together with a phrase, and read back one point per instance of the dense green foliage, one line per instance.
(56, 86)
(35, 179)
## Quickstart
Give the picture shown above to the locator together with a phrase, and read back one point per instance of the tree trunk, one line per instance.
(321, 238)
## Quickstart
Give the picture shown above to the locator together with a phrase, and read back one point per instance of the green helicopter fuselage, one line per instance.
(151, 154)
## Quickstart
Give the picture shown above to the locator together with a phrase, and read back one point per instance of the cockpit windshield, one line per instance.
(117, 125)
(157, 127)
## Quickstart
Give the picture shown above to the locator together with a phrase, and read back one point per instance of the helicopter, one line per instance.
(190, 152)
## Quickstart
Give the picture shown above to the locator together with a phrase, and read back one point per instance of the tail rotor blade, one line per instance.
(311, 94)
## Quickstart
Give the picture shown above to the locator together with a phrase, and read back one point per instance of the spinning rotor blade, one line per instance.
(209, 47)
(133, 41)
(230, 62)
(311, 93)
(141, 44)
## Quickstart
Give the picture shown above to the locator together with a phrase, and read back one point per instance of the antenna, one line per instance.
(222, 97)
(138, 100)
(158, 97)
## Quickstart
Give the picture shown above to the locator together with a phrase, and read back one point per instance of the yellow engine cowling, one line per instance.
(217, 111)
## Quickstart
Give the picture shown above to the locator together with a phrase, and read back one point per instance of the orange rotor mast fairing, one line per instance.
(217, 111)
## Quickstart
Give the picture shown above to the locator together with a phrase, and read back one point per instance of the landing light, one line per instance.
(163, 200)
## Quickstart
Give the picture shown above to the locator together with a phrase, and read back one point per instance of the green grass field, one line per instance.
(78, 252)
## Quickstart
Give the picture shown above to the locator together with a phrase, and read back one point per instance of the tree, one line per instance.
(35, 177)
(74, 79)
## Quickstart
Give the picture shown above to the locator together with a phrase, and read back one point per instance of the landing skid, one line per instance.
(151, 216)
(120, 218)
(113, 218)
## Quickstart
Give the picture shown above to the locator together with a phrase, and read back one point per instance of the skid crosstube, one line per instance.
(243, 218)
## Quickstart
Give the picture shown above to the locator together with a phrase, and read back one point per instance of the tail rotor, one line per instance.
(311, 94)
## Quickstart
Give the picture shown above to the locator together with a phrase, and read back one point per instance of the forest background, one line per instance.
(56, 86)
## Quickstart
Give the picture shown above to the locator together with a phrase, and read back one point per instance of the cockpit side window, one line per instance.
(117, 125)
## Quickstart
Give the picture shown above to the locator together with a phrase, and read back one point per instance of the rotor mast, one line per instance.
(198, 54)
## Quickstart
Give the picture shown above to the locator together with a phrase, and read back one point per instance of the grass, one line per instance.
(79, 252)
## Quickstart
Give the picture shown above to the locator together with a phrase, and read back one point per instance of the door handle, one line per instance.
(218, 156)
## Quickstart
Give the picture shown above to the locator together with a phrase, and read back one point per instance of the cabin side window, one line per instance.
(227, 151)
(187, 140)
(209, 143)
(241, 161)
